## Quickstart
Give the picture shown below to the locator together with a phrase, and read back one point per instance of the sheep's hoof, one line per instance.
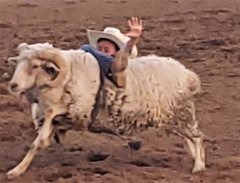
(197, 169)
(11, 174)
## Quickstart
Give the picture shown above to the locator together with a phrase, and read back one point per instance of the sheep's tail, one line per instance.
(194, 83)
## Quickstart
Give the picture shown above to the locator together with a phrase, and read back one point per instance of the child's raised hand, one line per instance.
(136, 27)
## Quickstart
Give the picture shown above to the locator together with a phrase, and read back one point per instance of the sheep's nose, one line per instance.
(13, 86)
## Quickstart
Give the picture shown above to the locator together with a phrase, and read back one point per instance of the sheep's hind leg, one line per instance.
(185, 125)
(193, 138)
(196, 147)
(190, 147)
(199, 164)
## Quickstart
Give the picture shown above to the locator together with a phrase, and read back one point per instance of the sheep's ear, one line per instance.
(23, 46)
(12, 60)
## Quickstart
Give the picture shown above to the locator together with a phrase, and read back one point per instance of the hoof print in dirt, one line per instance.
(139, 162)
(74, 149)
(70, 2)
(100, 171)
(68, 163)
(27, 5)
(135, 145)
(92, 156)
(5, 25)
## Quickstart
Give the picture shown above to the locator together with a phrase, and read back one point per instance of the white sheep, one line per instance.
(158, 92)
(30, 95)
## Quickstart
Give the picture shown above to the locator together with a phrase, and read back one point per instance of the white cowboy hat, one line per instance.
(112, 34)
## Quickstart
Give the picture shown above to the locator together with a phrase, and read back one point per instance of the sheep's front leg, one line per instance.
(42, 141)
(24, 164)
(47, 127)
(34, 110)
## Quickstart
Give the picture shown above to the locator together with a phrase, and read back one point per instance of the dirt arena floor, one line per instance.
(203, 34)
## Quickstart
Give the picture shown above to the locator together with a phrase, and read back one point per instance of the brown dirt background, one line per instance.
(202, 34)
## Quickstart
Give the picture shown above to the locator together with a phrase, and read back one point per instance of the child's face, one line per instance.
(106, 47)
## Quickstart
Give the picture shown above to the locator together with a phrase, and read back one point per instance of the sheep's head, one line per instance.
(37, 68)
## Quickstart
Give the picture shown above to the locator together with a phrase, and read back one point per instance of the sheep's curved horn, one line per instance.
(54, 55)
(120, 62)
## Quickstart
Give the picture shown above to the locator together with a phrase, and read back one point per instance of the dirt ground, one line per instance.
(203, 34)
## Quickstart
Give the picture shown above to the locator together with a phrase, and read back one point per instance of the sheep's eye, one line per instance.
(34, 66)
(51, 71)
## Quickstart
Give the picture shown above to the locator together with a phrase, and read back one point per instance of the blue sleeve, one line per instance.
(104, 60)
(97, 54)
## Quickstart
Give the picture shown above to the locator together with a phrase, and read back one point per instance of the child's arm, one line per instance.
(135, 32)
